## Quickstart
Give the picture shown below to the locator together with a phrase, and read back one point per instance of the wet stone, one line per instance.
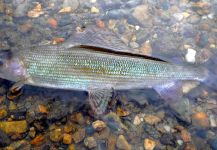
(56, 135)
(149, 144)
(168, 139)
(152, 119)
(98, 125)
(3, 113)
(111, 142)
(90, 142)
(122, 143)
(4, 139)
(67, 138)
(79, 135)
(151, 131)
(202, 40)
(16, 127)
(213, 143)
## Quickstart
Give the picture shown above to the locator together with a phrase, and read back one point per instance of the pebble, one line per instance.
(79, 135)
(200, 119)
(3, 113)
(152, 119)
(42, 109)
(24, 28)
(94, 10)
(78, 118)
(188, 86)
(52, 22)
(122, 143)
(186, 136)
(194, 19)
(168, 139)
(213, 143)
(149, 144)
(137, 120)
(111, 142)
(71, 147)
(56, 135)
(66, 9)
(32, 132)
(178, 16)
(141, 13)
(73, 4)
(90, 142)
(122, 112)
(16, 127)
(202, 40)
(36, 11)
(134, 45)
(151, 131)
(38, 140)
(4, 139)
(67, 138)
(146, 48)
(212, 121)
(99, 125)
(114, 122)
(190, 55)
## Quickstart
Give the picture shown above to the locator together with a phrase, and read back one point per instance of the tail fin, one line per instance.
(211, 67)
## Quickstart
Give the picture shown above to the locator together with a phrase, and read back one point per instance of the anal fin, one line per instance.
(99, 98)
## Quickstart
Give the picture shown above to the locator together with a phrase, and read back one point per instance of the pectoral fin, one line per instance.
(99, 98)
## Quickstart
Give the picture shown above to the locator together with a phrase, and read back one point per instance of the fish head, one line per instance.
(11, 67)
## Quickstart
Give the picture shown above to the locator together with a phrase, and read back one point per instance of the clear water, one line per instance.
(177, 31)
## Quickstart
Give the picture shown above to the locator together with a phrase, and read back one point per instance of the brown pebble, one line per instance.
(200, 119)
(189, 146)
(52, 22)
(58, 40)
(3, 113)
(151, 119)
(67, 138)
(71, 147)
(122, 113)
(68, 128)
(14, 126)
(78, 118)
(100, 24)
(25, 27)
(42, 109)
(36, 11)
(186, 136)
(56, 135)
(90, 142)
(122, 143)
(111, 142)
(79, 135)
(67, 9)
(38, 140)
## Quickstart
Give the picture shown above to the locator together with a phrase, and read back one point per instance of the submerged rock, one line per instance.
(14, 126)
(90, 142)
(4, 139)
(122, 143)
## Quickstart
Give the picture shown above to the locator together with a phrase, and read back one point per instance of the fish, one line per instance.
(97, 69)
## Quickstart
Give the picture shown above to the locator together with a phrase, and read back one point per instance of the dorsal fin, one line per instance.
(122, 53)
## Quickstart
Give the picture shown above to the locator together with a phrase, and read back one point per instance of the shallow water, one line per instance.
(182, 31)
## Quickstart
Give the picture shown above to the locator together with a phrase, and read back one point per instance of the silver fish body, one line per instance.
(80, 68)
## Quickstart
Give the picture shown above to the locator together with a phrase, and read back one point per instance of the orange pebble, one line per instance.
(200, 119)
(52, 22)
(37, 140)
(58, 40)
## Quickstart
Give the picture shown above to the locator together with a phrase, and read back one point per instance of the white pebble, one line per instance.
(180, 142)
(136, 120)
(212, 121)
(167, 128)
(93, 1)
(190, 56)
(211, 16)
(137, 27)
(178, 16)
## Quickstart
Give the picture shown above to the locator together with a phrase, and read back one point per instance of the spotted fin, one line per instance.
(97, 37)
(99, 98)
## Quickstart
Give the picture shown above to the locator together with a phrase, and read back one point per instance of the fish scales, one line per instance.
(82, 68)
